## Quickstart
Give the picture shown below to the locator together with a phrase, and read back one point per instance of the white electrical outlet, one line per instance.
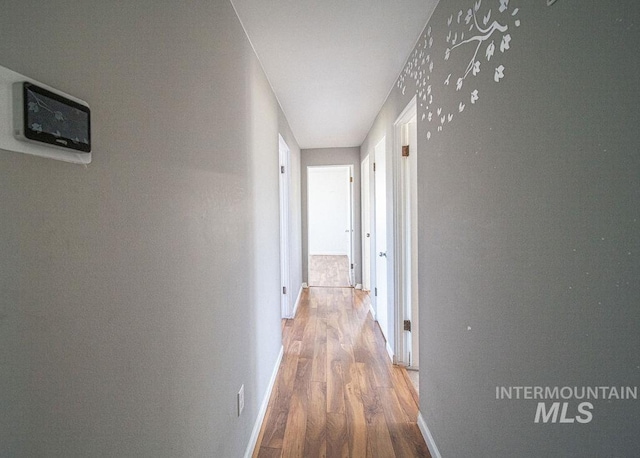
(241, 400)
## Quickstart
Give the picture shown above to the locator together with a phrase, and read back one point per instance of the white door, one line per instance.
(329, 218)
(352, 274)
(366, 223)
(285, 302)
(380, 291)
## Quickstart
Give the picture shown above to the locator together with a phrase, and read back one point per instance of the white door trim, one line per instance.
(284, 172)
(401, 275)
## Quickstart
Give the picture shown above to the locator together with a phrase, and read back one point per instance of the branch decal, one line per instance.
(482, 33)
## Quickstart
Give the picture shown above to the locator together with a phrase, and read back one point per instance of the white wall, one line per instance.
(137, 294)
(329, 210)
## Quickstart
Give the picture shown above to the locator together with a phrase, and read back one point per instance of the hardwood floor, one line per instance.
(330, 271)
(336, 393)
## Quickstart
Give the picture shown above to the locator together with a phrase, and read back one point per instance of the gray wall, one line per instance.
(137, 294)
(529, 214)
(332, 156)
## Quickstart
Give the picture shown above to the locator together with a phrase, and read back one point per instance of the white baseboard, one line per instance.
(428, 438)
(263, 408)
(391, 355)
(295, 307)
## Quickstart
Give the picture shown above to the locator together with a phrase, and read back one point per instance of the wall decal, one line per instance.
(482, 33)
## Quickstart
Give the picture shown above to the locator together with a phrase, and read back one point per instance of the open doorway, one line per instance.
(330, 223)
(406, 243)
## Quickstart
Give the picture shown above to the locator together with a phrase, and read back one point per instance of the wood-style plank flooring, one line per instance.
(336, 393)
(331, 271)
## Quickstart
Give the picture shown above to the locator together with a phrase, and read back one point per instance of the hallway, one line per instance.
(336, 392)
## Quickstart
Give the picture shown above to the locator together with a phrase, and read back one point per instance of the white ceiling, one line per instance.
(332, 63)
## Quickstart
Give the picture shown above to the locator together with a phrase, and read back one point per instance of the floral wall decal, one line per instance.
(484, 32)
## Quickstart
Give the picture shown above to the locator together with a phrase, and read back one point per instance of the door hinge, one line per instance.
(284, 290)
(282, 169)
(375, 291)
(351, 266)
(407, 325)
(405, 151)
(374, 166)
(350, 179)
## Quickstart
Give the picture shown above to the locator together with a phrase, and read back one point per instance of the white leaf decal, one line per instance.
(469, 16)
(485, 20)
(490, 50)
(505, 43)
(476, 68)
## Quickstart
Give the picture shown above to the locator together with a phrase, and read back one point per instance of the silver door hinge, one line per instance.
(375, 291)
(407, 325)
(284, 290)
(282, 169)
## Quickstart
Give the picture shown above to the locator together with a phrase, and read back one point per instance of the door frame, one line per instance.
(402, 247)
(365, 193)
(286, 306)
